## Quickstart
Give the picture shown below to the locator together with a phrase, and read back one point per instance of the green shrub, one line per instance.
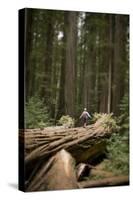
(36, 114)
(67, 121)
(110, 120)
(118, 144)
(118, 154)
(123, 119)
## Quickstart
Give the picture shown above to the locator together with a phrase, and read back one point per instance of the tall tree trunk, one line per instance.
(61, 100)
(46, 89)
(71, 34)
(28, 48)
(110, 66)
(91, 77)
(120, 62)
(104, 53)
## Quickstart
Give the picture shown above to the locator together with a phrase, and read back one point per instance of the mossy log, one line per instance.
(110, 181)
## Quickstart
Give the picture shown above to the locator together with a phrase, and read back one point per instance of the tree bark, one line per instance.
(82, 143)
(110, 66)
(29, 15)
(71, 34)
(119, 63)
(61, 99)
(48, 52)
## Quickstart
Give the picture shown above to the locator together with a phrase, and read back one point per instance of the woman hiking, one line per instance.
(85, 115)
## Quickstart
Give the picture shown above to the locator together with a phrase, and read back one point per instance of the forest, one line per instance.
(76, 60)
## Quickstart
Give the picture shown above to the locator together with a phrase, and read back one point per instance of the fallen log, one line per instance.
(82, 143)
(99, 172)
(58, 173)
(84, 170)
(111, 181)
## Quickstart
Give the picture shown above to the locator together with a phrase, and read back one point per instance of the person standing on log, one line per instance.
(85, 115)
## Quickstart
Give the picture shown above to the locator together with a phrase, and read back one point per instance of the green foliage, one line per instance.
(118, 144)
(36, 114)
(123, 119)
(96, 116)
(124, 105)
(67, 121)
(118, 154)
(108, 121)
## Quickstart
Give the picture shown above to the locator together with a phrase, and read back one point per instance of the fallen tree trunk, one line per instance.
(111, 181)
(82, 143)
(84, 170)
(58, 173)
